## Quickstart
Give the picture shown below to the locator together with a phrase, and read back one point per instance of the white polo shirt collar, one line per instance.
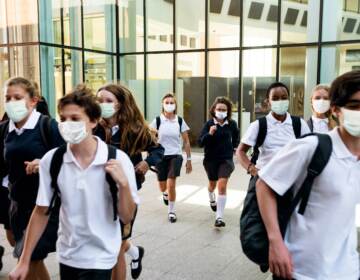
(318, 120)
(224, 123)
(164, 119)
(339, 148)
(272, 120)
(29, 124)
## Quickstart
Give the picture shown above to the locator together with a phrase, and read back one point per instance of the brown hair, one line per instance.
(222, 100)
(136, 135)
(31, 87)
(83, 97)
(168, 95)
(328, 114)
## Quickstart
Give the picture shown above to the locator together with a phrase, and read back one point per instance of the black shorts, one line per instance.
(216, 169)
(169, 167)
(72, 273)
(126, 230)
(4, 207)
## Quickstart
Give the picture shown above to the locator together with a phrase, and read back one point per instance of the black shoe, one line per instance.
(219, 223)
(172, 217)
(213, 205)
(2, 250)
(135, 272)
(166, 198)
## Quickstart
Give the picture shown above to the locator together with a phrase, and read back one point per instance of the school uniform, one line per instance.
(88, 239)
(323, 241)
(319, 125)
(219, 148)
(278, 135)
(169, 135)
(4, 207)
(26, 144)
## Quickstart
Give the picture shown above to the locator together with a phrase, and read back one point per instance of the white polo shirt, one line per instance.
(169, 134)
(323, 241)
(278, 135)
(320, 125)
(88, 237)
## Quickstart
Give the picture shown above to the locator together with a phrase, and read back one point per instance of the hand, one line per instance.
(188, 166)
(142, 167)
(19, 272)
(253, 170)
(32, 167)
(114, 168)
(212, 129)
(280, 261)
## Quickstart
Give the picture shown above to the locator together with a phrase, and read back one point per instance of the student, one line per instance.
(28, 136)
(322, 243)
(321, 121)
(123, 126)
(280, 128)
(171, 128)
(220, 138)
(89, 237)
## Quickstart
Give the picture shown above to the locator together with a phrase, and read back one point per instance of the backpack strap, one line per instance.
(55, 167)
(260, 139)
(311, 124)
(296, 122)
(180, 121)
(158, 122)
(45, 130)
(112, 185)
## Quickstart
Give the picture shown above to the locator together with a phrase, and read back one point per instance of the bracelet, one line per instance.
(248, 169)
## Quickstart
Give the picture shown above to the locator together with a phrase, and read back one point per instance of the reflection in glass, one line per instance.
(4, 74)
(3, 35)
(72, 23)
(24, 61)
(73, 68)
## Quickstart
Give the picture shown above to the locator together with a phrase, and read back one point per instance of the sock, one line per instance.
(221, 201)
(171, 208)
(212, 196)
(133, 252)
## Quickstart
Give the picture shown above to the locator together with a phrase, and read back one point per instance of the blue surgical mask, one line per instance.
(107, 110)
(16, 110)
(279, 107)
(351, 121)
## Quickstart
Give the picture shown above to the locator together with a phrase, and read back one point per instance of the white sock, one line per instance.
(221, 201)
(212, 196)
(171, 208)
(133, 252)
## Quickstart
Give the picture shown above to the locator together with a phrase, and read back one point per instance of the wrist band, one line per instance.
(188, 158)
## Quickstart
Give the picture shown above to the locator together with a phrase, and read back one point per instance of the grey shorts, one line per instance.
(216, 169)
(169, 167)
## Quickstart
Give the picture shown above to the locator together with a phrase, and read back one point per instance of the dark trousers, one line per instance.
(72, 273)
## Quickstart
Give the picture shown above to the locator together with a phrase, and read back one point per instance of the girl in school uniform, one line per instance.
(123, 126)
(24, 146)
(321, 121)
(220, 138)
(171, 130)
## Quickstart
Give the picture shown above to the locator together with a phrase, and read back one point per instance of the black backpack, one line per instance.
(158, 122)
(253, 236)
(55, 167)
(296, 122)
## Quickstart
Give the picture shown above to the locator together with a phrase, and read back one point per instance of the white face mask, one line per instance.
(321, 106)
(351, 121)
(73, 132)
(169, 108)
(220, 115)
(107, 110)
(16, 110)
(280, 107)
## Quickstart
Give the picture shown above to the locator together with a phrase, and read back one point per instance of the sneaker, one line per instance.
(219, 223)
(172, 217)
(213, 205)
(2, 250)
(166, 198)
(135, 265)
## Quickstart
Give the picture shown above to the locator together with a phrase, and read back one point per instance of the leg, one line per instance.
(171, 183)
(212, 197)
(10, 237)
(162, 186)
(119, 271)
(212, 186)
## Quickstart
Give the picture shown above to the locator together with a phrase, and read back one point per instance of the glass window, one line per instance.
(223, 78)
(99, 69)
(351, 5)
(131, 21)
(190, 24)
(72, 23)
(22, 19)
(132, 76)
(73, 68)
(3, 35)
(159, 82)
(99, 25)
(224, 24)
(159, 22)
(298, 70)
(50, 23)
(24, 61)
(300, 22)
(4, 75)
(190, 91)
(260, 23)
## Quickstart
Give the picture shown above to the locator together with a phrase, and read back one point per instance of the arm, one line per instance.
(280, 262)
(244, 160)
(204, 136)
(235, 136)
(36, 227)
(155, 154)
(187, 148)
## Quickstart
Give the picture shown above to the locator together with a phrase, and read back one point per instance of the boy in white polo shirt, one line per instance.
(89, 237)
(321, 244)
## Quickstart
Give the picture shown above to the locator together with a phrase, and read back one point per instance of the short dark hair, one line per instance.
(275, 85)
(343, 87)
(222, 100)
(83, 97)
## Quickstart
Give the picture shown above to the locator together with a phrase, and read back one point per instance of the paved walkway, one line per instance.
(191, 248)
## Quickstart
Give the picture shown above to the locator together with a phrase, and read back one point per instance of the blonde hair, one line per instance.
(168, 95)
(31, 87)
(332, 122)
